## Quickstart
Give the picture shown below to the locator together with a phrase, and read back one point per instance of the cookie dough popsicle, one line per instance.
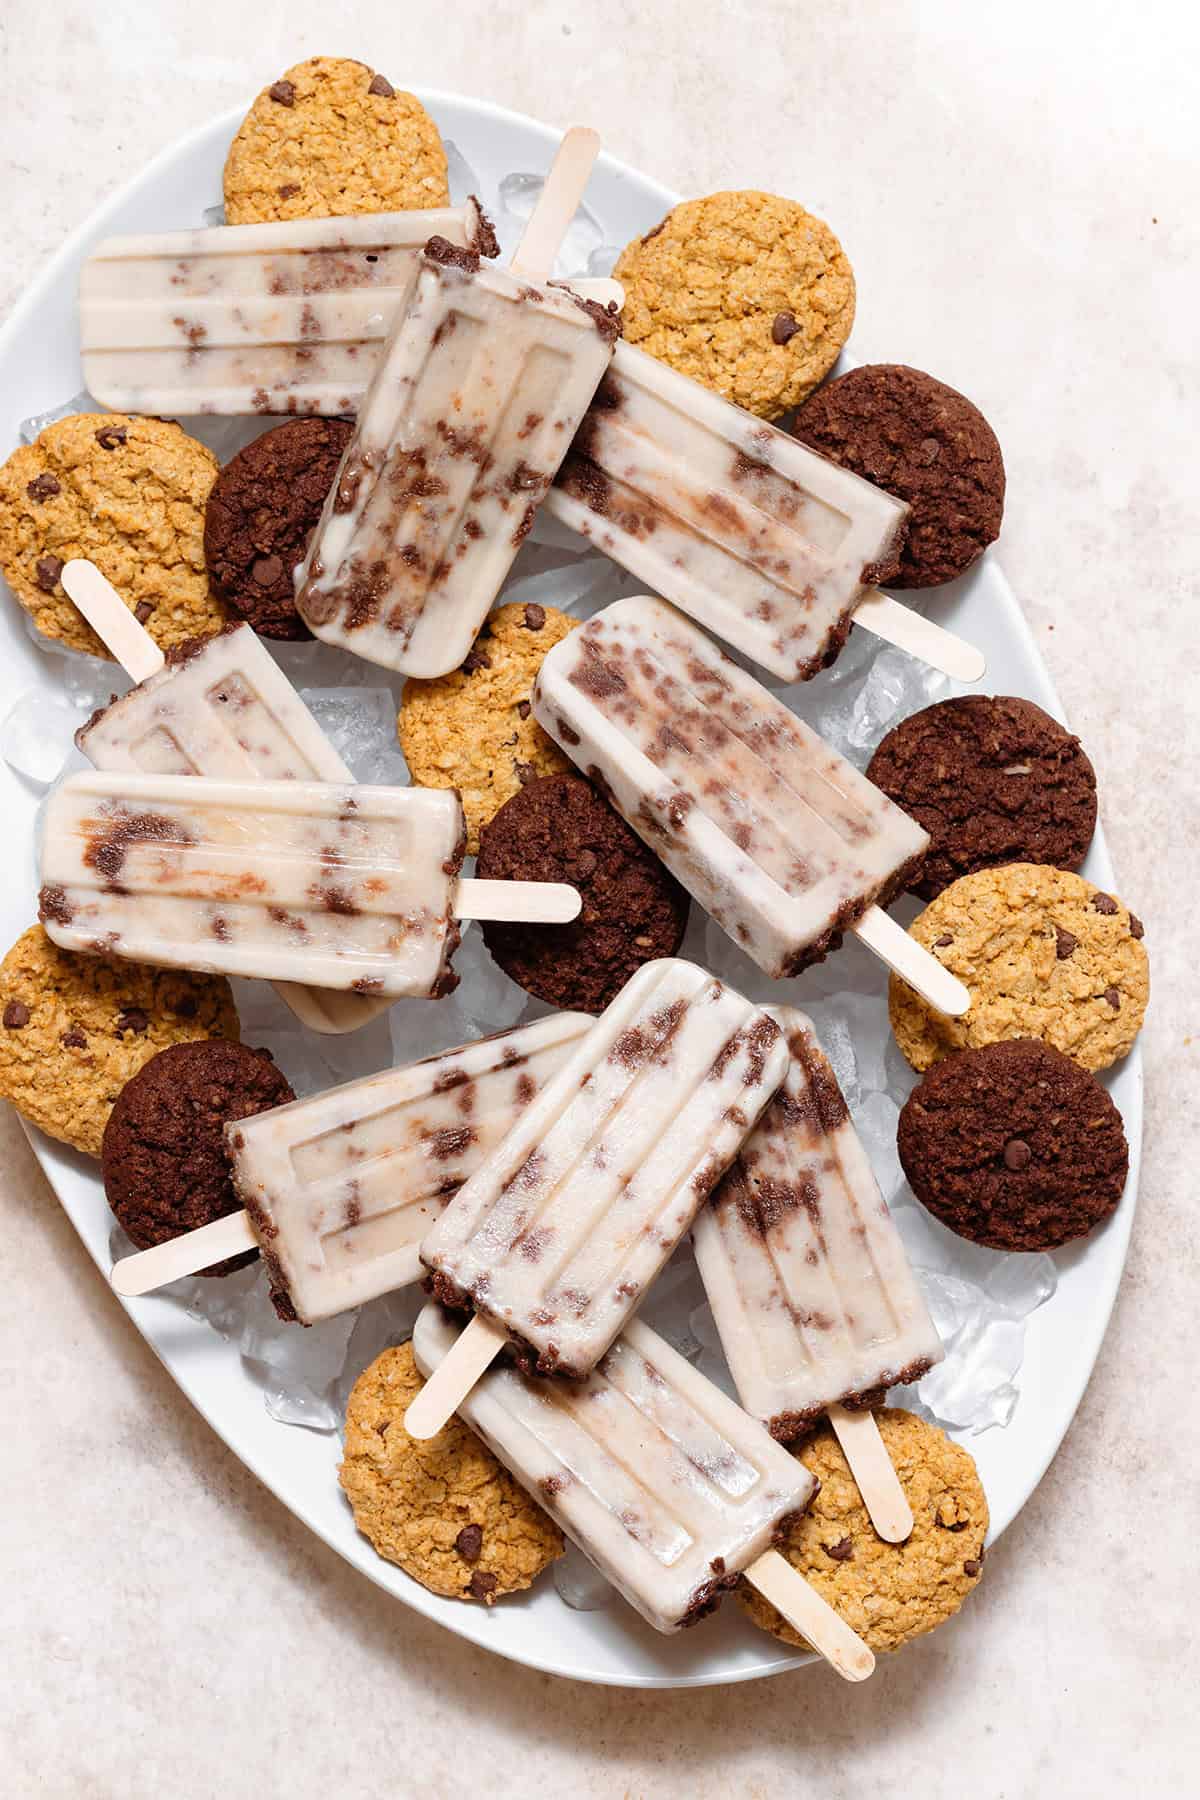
(663, 1482)
(335, 885)
(772, 547)
(284, 317)
(813, 1295)
(554, 1241)
(772, 831)
(218, 706)
(481, 386)
(340, 1188)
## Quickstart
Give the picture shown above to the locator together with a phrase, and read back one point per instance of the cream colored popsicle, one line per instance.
(284, 317)
(483, 381)
(660, 1479)
(769, 545)
(775, 833)
(555, 1240)
(334, 885)
(218, 706)
(340, 1188)
(813, 1295)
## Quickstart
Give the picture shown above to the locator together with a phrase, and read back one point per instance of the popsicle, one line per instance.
(327, 883)
(769, 545)
(480, 388)
(286, 317)
(813, 1295)
(772, 831)
(556, 1238)
(340, 1188)
(663, 1482)
(219, 706)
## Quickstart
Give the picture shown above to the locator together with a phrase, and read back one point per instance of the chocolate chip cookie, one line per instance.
(163, 1152)
(560, 829)
(1014, 1146)
(992, 779)
(262, 510)
(442, 1508)
(1043, 954)
(925, 443)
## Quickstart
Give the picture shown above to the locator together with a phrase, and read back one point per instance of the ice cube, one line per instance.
(464, 179)
(214, 215)
(82, 402)
(37, 734)
(490, 1000)
(299, 1366)
(388, 1320)
(519, 193)
(579, 1583)
(360, 723)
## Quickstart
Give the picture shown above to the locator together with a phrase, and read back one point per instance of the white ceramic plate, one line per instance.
(39, 369)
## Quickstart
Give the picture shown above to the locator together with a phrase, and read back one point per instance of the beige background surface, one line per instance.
(1016, 186)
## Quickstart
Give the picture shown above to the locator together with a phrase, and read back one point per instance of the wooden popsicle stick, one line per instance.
(455, 1376)
(921, 637)
(874, 1472)
(111, 620)
(538, 902)
(912, 962)
(601, 288)
(560, 196)
(813, 1618)
(186, 1255)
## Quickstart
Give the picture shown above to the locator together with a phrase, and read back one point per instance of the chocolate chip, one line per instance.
(842, 1551)
(944, 941)
(972, 1566)
(1113, 998)
(73, 1039)
(526, 772)
(482, 1586)
(111, 437)
(47, 571)
(523, 709)
(1136, 928)
(267, 570)
(44, 487)
(283, 93)
(1017, 1154)
(186, 1007)
(1065, 942)
(469, 1543)
(475, 659)
(16, 1015)
(289, 190)
(381, 85)
(134, 1019)
(1104, 903)
(784, 329)
(143, 610)
(535, 617)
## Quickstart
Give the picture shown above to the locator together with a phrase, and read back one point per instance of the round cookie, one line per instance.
(992, 780)
(926, 444)
(887, 1593)
(560, 829)
(474, 729)
(263, 509)
(74, 1029)
(163, 1152)
(126, 493)
(1014, 1146)
(1044, 954)
(745, 292)
(443, 1508)
(332, 137)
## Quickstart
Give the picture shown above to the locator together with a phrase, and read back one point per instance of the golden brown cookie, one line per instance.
(442, 1508)
(745, 292)
(74, 1029)
(333, 137)
(887, 1593)
(473, 729)
(1044, 955)
(127, 493)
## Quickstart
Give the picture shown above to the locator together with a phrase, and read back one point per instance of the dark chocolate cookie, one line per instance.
(1014, 1146)
(925, 443)
(992, 780)
(559, 829)
(261, 512)
(163, 1155)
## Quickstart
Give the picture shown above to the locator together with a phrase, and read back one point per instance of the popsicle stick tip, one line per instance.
(557, 204)
(123, 636)
(873, 1470)
(453, 1379)
(912, 962)
(921, 637)
(813, 1617)
(538, 902)
(147, 1270)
